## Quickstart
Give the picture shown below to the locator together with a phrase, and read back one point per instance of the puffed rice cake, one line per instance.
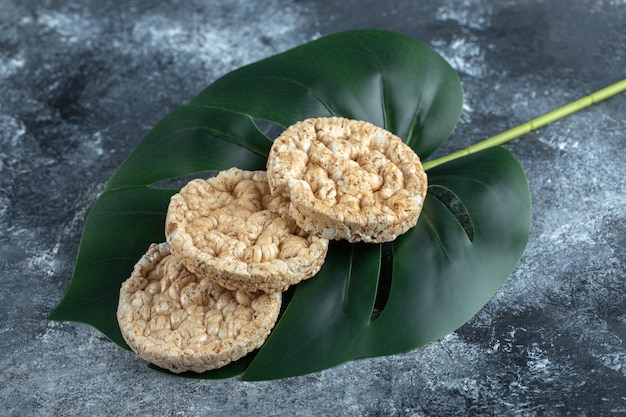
(230, 229)
(182, 322)
(347, 179)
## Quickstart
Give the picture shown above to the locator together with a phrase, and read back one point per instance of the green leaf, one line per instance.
(368, 300)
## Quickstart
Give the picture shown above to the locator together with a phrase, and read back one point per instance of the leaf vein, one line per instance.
(437, 238)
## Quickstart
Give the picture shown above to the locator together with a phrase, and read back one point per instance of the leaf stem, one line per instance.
(534, 124)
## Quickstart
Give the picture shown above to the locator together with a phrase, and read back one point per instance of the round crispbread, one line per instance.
(230, 229)
(347, 179)
(180, 322)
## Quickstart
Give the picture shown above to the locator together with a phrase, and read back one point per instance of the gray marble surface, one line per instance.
(82, 82)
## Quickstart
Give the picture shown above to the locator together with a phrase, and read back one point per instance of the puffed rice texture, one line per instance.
(182, 322)
(347, 179)
(230, 229)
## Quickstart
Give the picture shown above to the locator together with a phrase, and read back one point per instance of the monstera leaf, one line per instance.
(368, 299)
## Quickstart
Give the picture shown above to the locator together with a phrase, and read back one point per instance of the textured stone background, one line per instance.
(82, 82)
